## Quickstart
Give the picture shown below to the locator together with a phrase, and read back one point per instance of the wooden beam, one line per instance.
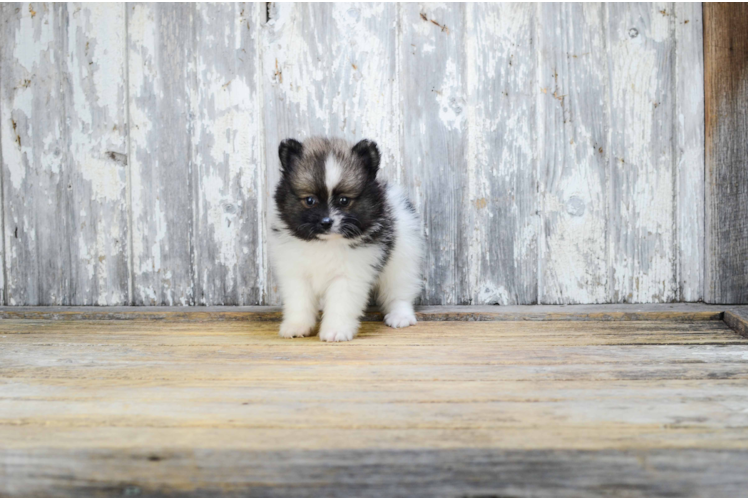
(726, 115)
(737, 319)
(607, 312)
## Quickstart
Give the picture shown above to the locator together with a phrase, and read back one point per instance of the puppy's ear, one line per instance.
(289, 152)
(368, 153)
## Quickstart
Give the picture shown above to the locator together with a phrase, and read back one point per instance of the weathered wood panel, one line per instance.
(4, 17)
(555, 152)
(65, 153)
(96, 118)
(35, 153)
(688, 118)
(161, 64)
(501, 161)
(642, 248)
(229, 167)
(330, 69)
(434, 100)
(726, 91)
(573, 147)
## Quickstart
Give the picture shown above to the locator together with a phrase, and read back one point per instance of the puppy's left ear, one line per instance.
(289, 151)
(368, 153)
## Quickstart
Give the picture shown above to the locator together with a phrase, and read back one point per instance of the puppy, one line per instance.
(337, 233)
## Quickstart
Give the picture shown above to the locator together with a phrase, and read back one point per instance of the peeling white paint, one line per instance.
(450, 99)
(501, 153)
(537, 152)
(641, 166)
(573, 259)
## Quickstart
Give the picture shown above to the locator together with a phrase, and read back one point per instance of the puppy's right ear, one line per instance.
(289, 152)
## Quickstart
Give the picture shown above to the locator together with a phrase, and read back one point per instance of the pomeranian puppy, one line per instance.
(337, 233)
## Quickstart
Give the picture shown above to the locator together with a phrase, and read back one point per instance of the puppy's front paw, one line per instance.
(337, 333)
(292, 329)
(400, 319)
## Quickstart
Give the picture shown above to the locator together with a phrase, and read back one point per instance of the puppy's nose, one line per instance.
(326, 223)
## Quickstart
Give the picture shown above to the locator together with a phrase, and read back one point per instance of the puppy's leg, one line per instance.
(398, 287)
(299, 308)
(345, 301)
(399, 314)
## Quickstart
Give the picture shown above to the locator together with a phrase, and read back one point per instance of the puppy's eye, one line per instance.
(310, 201)
(344, 201)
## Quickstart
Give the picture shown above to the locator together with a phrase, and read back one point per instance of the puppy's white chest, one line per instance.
(322, 262)
(325, 263)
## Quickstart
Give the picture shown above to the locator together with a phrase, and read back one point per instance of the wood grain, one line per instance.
(416, 472)
(96, 116)
(737, 319)
(554, 152)
(442, 408)
(573, 99)
(229, 166)
(688, 119)
(726, 105)
(34, 130)
(502, 198)
(65, 154)
(161, 76)
(433, 92)
(642, 245)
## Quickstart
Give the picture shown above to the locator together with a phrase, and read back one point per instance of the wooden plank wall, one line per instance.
(555, 151)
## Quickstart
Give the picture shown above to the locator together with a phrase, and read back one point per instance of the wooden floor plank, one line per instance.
(372, 472)
(130, 408)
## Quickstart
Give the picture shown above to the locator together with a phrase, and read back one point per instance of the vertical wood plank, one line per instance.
(96, 118)
(689, 128)
(726, 110)
(642, 245)
(501, 160)
(434, 142)
(573, 147)
(35, 154)
(64, 154)
(330, 69)
(161, 79)
(227, 155)
(5, 14)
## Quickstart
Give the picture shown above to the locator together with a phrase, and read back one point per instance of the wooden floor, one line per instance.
(143, 408)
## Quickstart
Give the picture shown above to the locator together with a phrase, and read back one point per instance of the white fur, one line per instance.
(332, 276)
(333, 173)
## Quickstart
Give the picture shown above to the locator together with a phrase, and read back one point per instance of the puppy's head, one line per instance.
(328, 188)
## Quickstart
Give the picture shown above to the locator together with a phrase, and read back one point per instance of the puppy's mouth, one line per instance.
(330, 235)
